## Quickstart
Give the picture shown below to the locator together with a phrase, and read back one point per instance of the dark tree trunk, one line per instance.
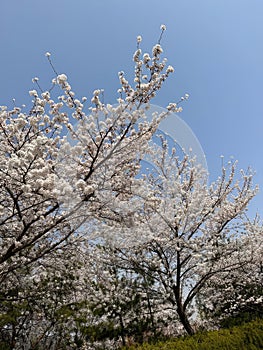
(181, 311)
(184, 319)
(122, 330)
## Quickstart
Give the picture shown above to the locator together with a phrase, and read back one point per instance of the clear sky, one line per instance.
(215, 46)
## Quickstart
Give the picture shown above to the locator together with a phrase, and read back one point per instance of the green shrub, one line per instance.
(245, 337)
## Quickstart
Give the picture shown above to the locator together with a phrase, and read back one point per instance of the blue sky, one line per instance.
(215, 46)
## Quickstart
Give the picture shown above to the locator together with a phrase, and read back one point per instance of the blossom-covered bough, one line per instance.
(83, 230)
(51, 186)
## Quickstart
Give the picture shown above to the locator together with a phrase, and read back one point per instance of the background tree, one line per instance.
(236, 296)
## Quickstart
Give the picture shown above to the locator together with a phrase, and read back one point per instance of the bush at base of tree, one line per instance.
(249, 336)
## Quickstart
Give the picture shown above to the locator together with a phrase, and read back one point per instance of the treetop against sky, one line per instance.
(214, 48)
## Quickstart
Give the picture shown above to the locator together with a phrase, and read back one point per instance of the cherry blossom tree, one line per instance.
(194, 232)
(89, 238)
(64, 167)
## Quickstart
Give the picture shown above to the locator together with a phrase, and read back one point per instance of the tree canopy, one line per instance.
(94, 250)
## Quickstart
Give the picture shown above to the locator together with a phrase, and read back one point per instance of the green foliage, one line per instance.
(246, 337)
(242, 317)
